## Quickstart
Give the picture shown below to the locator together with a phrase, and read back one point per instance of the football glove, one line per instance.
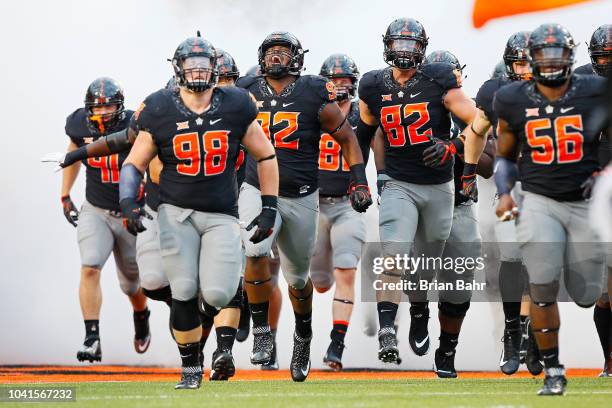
(469, 187)
(132, 213)
(265, 220)
(70, 211)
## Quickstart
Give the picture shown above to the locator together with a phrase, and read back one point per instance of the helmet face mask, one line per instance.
(194, 64)
(281, 54)
(104, 104)
(551, 55)
(343, 72)
(405, 43)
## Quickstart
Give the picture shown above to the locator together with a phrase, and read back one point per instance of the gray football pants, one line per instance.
(200, 250)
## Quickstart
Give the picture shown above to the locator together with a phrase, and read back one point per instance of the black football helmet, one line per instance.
(551, 54)
(255, 70)
(500, 70)
(226, 66)
(341, 66)
(444, 56)
(601, 46)
(104, 92)
(295, 54)
(516, 51)
(204, 57)
(405, 43)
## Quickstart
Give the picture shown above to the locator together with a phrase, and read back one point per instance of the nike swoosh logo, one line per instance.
(420, 344)
(256, 311)
(226, 335)
(354, 127)
(287, 104)
(415, 95)
(563, 110)
(386, 310)
(212, 122)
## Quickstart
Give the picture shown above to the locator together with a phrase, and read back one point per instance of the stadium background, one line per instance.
(52, 50)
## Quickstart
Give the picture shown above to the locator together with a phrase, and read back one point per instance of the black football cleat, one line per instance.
(244, 324)
(554, 381)
(510, 358)
(191, 378)
(444, 364)
(263, 345)
(333, 356)
(91, 350)
(418, 336)
(142, 334)
(388, 351)
(533, 359)
(300, 359)
(272, 365)
(223, 367)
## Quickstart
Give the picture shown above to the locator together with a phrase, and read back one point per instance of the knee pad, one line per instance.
(236, 301)
(455, 310)
(184, 314)
(545, 293)
(346, 260)
(163, 294)
(130, 288)
(217, 298)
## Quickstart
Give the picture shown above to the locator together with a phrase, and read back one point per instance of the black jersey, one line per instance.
(102, 176)
(198, 152)
(334, 171)
(410, 115)
(558, 140)
(484, 99)
(152, 194)
(291, 121)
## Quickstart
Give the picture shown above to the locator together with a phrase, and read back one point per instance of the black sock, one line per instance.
(448, 341)
(259, 313)
(303, 324)
(386, 314)
(512, 313)
(92, 328)
(339, 331)
(142, 315)
(225, 337)
(524, 319)
(550, 357)
(190, 354)
(603, 323)
(418, 307)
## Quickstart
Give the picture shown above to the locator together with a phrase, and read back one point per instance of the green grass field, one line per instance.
(582, 392)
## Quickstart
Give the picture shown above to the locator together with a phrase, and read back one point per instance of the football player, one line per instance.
(464, 239)
(341, 231)
(600, 51)
(513, 284)
(412, 103)
(99, 228)
(293, 111)
(197, 132)
(554, 123)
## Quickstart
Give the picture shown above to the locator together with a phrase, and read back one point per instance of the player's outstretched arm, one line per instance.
(260, 149)
(476, 137)
(130, 178)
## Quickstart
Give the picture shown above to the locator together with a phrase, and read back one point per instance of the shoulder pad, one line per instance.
(510, 92)
(484, 97)
(592, 85)
(442, 73)
(586, 69)
(322, 87)
(76, 124)
(367, 83)
(247, 81)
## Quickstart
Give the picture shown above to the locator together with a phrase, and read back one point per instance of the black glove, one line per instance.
(469, 188)
(265, 220)
(131, 215)
(70, 211)
(587, 186)
(442, 151)
(359, 192)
